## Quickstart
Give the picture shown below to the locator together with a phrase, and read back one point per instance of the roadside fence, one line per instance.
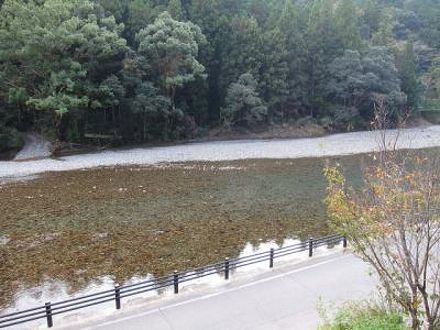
(49, 310)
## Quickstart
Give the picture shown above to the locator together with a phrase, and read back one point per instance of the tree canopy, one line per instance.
(69, 68)
(244, 107)
(172, 48)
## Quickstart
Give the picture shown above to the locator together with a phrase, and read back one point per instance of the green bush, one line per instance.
(10, 140)
(366, 318)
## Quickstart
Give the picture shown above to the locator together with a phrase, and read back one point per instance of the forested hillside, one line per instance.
(159, 70)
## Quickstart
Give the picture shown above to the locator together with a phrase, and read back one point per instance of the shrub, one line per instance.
(10, 140)
(366, 318)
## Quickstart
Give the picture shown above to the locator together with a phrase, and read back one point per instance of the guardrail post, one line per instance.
(311, 247)
(118, 296)
(272, 255)
(176, 282)
(226, 268)
(49, 315)
(344, 242)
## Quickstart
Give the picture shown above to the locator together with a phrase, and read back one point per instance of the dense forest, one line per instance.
(160, 70)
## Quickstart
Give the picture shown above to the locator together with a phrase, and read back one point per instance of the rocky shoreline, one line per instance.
(332, 145)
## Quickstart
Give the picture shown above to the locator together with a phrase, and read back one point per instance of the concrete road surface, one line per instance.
(284, 298)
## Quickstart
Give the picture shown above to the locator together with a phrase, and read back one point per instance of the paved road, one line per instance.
(281, 299)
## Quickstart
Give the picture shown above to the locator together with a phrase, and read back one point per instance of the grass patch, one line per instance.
(365, 317)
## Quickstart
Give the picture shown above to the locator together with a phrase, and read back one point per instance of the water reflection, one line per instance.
(77, 227)
(55, 291)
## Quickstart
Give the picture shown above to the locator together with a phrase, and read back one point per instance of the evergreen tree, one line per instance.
(358, 80)
(140, 13)
(291, 25)
(431, 82)
(370, 17)
(154, 110)
(175, 9)
(240, 52)
(407, 67)
(384, 35)
(321, 49)
(59, 53)
(208, 14)
(173, 48)
(244, 108)
(347, 84)
(428, 11)
(102, 66)
(273, 72)
(347, 25)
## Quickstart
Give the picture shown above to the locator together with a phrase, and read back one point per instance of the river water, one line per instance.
(89, 228)
(123, 222)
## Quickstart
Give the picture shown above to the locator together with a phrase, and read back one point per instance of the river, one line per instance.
(121, 222)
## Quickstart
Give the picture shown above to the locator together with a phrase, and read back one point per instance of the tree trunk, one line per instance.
(19, 117)
(59, 127)
(173, 96)
(415, 324)
(312, 87)
(144, 130)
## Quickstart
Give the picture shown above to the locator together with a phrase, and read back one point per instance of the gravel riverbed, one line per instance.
(333, 145)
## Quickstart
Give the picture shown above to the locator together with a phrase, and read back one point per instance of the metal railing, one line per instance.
(49, 310)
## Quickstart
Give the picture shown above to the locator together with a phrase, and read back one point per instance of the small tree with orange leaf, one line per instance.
(393, 223)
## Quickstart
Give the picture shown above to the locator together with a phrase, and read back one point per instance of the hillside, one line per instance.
(118, 72)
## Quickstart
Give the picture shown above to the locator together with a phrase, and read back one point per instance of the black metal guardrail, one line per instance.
(49, 310)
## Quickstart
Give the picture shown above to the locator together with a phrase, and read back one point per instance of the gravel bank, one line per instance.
(333, 145)
(35, 147)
